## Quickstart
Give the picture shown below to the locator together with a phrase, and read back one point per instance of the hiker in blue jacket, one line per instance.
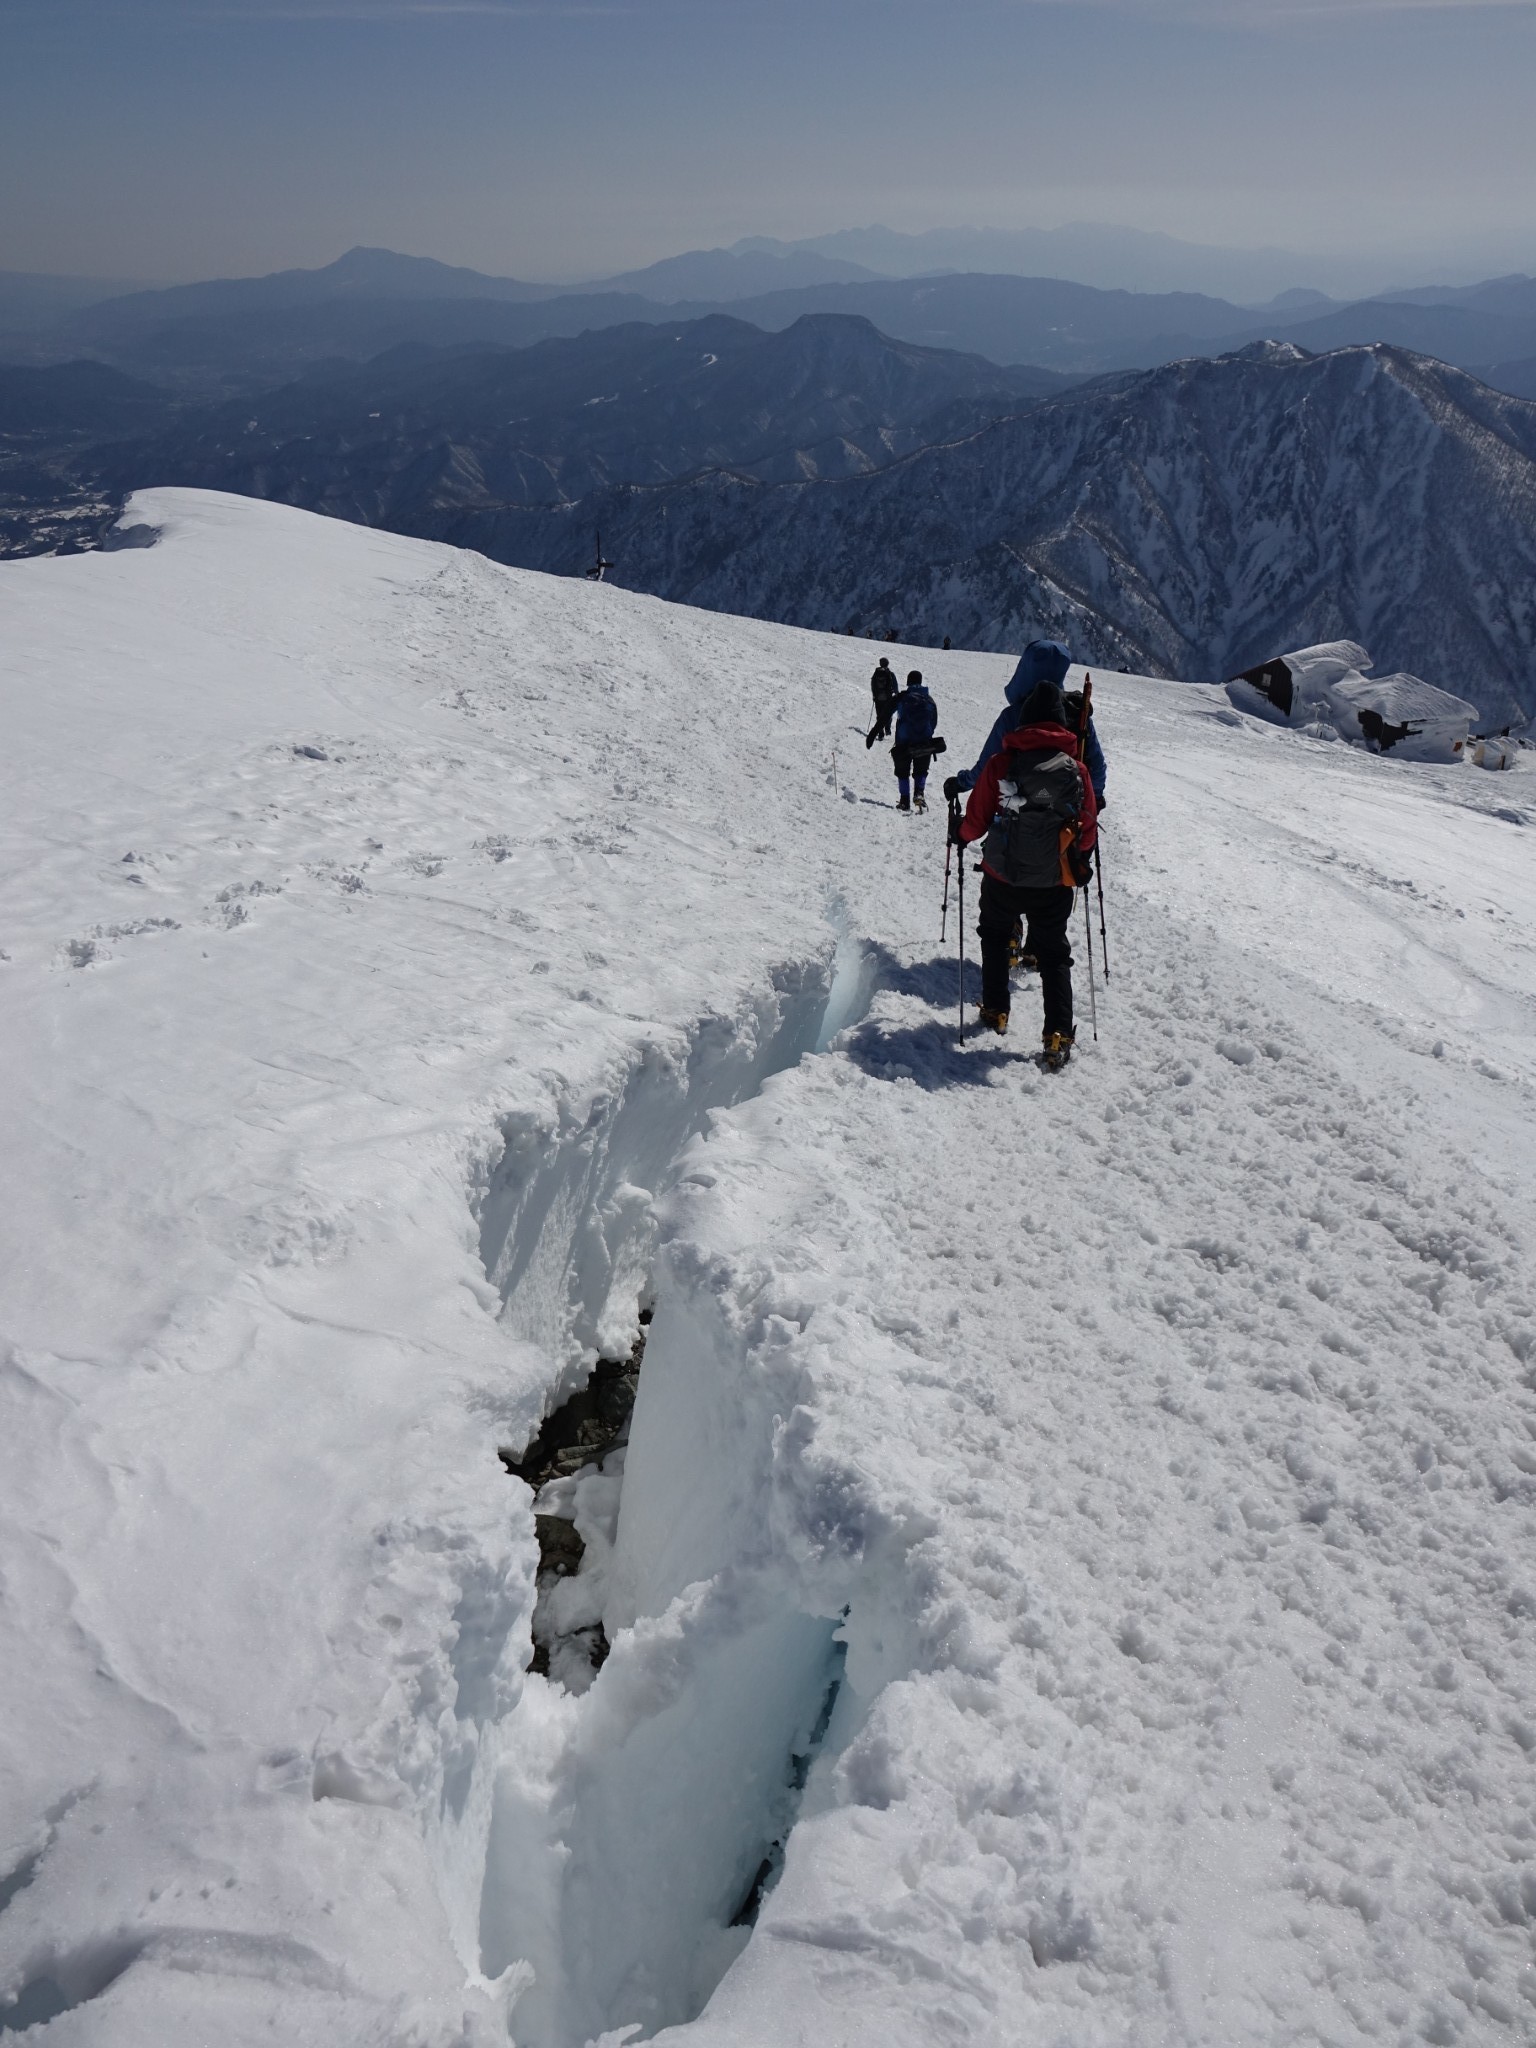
(1043, 661)
(916, 717)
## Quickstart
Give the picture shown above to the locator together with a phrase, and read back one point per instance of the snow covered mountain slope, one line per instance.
(1082, 1526)
(1194, 520)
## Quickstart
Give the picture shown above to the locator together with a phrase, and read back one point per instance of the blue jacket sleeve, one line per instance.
(1006, 718)
(1093, 761)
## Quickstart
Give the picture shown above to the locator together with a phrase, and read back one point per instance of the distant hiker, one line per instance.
(1033, 805)
(1043, 661)
(892, 634)
(946, 643)
(917, 716)
(883, 687)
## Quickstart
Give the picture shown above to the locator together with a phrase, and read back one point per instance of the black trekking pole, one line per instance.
(960, 934)
(1098, 876)
(1082, 750)
(951, 842)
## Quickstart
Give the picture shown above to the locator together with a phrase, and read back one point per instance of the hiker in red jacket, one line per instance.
(1033, 805)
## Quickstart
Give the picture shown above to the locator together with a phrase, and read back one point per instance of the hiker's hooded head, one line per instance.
(1043, 661)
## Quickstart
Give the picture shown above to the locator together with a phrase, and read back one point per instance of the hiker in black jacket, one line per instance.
(883, 687)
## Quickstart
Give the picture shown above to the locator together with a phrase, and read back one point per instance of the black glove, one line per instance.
(1081, 865)
(954, 829)
(951, 787)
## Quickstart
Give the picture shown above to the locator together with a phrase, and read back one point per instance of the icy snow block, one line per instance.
(620, 1886)
(139, 536)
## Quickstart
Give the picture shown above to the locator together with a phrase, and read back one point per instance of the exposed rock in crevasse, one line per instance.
(575, 1465)
(582, 1430)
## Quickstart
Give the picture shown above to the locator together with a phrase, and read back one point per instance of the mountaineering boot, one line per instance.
(995, 1020)
(919, 801)
(905, 804)
(1057, 1050)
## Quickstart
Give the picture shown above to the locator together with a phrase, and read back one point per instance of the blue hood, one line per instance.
(1043, 661)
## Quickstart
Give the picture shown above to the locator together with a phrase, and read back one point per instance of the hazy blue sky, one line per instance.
(180, 138)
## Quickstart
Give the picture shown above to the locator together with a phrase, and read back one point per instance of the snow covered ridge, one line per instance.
(1071, 1572)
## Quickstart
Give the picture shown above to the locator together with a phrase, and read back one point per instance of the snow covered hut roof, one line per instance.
(1402, 699)
(1324, 685)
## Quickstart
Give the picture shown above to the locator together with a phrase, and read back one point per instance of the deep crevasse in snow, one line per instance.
(1149, 1448)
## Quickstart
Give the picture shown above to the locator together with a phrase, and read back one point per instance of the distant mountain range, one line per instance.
(726, 275)
(1089, 253)
(1112, 258)
(404, 439)
(1188, 518)
(31, 303)
(1186, 521)
(242, 335)
(412, 435)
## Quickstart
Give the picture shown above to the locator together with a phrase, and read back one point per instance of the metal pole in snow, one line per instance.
(1098, 876)
(960, 928)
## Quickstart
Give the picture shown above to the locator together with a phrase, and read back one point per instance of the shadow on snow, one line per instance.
(927, 1053)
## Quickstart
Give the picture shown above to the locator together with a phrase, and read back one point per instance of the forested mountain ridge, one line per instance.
(393, 441)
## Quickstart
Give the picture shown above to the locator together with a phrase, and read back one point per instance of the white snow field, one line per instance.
(1088, 1522)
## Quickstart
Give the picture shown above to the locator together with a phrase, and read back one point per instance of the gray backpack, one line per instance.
(1039, 804)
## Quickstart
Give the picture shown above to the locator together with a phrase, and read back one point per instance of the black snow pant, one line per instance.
(884, 713)
(911, 761)
(1046, 913)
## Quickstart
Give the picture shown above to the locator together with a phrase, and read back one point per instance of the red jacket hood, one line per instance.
(1024, 738)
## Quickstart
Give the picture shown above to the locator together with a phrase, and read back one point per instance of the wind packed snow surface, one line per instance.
(1070, 1578)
